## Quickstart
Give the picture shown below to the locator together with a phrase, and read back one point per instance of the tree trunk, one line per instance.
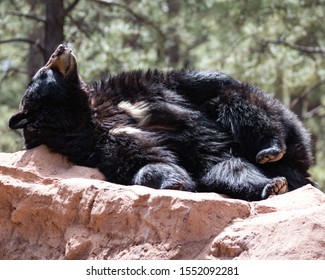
(172, 49)
(53, 26)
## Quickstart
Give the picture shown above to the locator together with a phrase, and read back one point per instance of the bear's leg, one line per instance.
(262, 143)
(164, 176)
(259, 134)
(241, 179)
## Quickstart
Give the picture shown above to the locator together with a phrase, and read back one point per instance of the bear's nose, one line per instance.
(61, 48)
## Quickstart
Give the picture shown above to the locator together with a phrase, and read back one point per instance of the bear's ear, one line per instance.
(19, 120)
(63, 60)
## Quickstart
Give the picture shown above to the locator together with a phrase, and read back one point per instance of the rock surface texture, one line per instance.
(51, 209)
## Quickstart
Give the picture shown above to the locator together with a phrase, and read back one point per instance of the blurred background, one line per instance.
(278, 45)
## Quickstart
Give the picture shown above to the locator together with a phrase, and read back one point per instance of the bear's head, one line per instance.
(54, 102)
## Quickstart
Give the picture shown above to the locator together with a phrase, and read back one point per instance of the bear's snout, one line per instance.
(62, 60)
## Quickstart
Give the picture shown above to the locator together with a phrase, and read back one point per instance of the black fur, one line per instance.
(189, 130)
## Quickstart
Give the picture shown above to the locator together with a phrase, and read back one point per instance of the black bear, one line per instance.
(185, 130)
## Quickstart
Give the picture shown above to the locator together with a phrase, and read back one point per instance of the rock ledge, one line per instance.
(51, 209)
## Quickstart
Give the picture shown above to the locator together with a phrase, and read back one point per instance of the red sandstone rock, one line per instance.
(51, 209)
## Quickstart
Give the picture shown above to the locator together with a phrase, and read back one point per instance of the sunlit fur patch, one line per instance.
(126, 130)
(139, 110)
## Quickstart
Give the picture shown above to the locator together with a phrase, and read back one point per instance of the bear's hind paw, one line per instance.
(278, 185)
(269, 155)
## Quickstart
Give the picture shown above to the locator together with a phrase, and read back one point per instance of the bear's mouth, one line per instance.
(62, 60)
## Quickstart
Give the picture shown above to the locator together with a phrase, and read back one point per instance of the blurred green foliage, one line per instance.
(277, 45)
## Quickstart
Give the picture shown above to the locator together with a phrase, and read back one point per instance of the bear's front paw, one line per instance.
(269, 155)
(278, 185)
